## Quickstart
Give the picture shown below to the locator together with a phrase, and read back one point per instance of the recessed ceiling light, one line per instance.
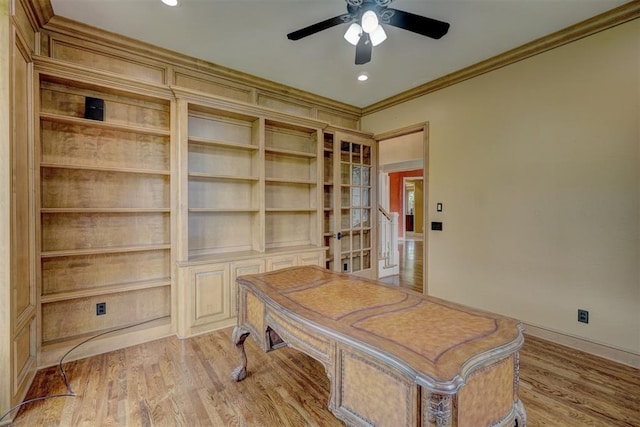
(170, 2)
(363, 77)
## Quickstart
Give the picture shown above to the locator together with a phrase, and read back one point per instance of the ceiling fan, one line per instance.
(367, 32)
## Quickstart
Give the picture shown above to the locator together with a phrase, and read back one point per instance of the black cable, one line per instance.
(70, 392)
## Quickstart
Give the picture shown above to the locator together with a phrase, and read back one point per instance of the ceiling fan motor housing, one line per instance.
(357, 8)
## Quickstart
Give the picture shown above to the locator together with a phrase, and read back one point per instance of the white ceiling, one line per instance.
(250, 36)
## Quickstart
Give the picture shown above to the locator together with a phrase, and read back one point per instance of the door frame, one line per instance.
(417, 128)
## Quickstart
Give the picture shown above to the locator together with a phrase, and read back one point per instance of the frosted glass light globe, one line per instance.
(369, 21)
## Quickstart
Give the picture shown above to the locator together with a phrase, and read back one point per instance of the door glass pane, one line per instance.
(345, 152)
(366, 202)
(355, 175)
(356, 153)
(345, 243)
(366, 218)
(345, 173)
(366, 239)
(366, 175)
(356, 218)
(366, 155)
(356, 264)
(355, 197)
(366, 260)
(345, 199)
(345, 215)
(356, 240)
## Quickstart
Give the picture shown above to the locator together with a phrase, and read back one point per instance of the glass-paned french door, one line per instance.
(349, 203)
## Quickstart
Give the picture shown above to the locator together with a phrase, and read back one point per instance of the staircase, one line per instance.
(388, 255)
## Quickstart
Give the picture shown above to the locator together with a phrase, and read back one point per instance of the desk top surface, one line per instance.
(434, 337)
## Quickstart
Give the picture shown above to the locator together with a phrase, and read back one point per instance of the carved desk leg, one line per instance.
(521, 414)
(239, 335)
(438, 408)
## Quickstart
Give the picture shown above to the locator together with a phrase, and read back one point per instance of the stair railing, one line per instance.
(388, 236)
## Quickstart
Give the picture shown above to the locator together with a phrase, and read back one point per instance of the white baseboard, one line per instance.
(618, 355)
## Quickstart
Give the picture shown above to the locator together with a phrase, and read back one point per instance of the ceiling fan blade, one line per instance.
(418, 24)
(323, 25)
(363, 50)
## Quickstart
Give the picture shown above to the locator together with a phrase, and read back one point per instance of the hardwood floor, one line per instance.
(187, 383)
(411, 265)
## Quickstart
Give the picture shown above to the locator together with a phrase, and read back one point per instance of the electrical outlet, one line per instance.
(101, 308)
(583, 316)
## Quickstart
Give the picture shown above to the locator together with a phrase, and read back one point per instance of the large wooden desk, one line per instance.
(394, 357)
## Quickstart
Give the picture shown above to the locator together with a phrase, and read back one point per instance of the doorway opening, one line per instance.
(403, 191)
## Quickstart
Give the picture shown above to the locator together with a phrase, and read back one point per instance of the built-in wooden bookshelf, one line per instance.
(291, 185)
(329, 230)
(116, 211)
(223, 181)
(250, 201)
(104, 210)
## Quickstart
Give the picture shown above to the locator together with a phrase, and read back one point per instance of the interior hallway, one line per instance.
(411, 263)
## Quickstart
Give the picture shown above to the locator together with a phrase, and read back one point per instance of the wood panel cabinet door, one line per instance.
(350, 205)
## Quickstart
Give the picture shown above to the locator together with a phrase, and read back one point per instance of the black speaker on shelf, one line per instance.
(94, 108)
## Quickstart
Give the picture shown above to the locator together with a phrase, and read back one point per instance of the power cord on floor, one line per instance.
(70, 392)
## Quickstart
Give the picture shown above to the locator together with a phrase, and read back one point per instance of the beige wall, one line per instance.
(401, 149)
(538, 167)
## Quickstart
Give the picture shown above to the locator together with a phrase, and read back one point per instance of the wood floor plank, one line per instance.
(187, 383)
(581, 388)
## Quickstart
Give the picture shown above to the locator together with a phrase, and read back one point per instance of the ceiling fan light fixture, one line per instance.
(369, 21)
(363, 77)
(378, 36)
(353, 34)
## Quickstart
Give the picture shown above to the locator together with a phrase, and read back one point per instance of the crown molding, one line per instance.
(42, 10)
(78, 30)
(47, 20)
(604, 21)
